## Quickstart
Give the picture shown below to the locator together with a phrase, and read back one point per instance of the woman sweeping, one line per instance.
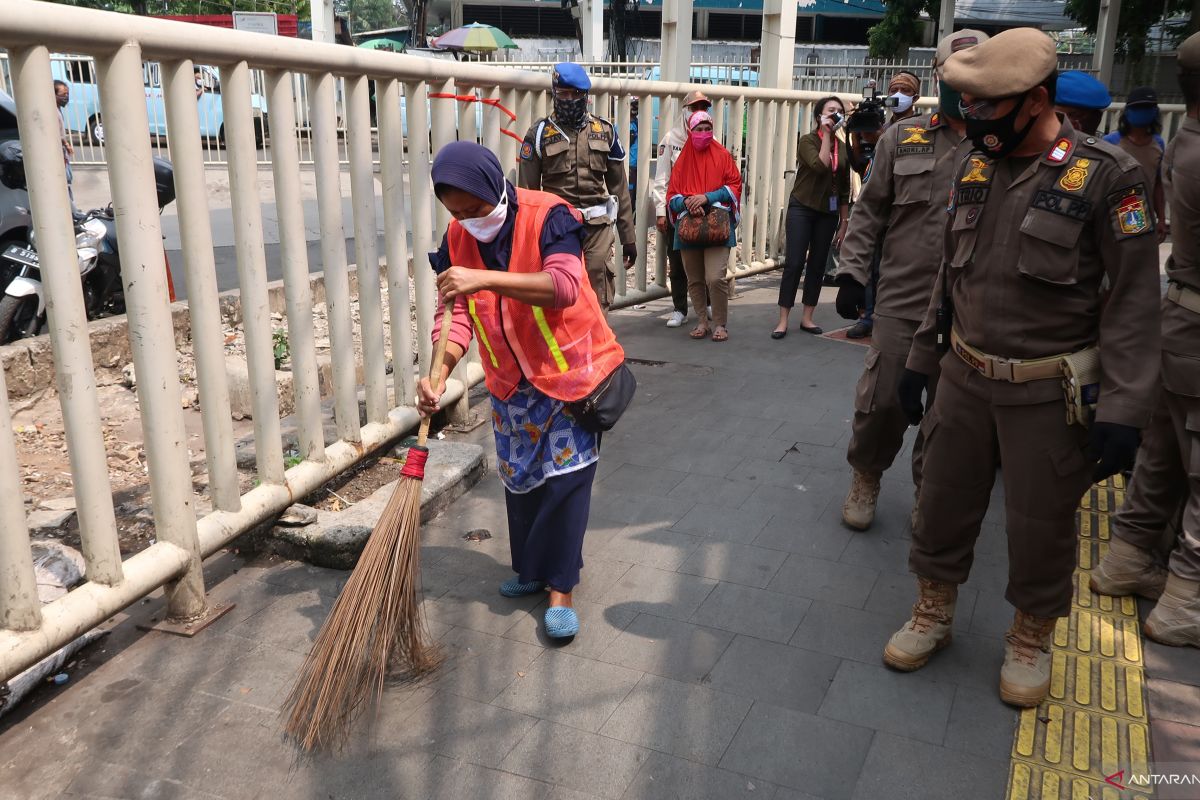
(511, 262)
(705, 190)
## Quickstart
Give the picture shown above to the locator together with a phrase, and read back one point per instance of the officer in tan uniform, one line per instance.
(579, 157)
(903, 202)
(1168, 465)
(1042, 219)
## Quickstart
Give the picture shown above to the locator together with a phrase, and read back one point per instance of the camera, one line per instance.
(870, 115)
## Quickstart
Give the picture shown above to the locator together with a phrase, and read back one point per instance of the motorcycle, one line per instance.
(23, 305)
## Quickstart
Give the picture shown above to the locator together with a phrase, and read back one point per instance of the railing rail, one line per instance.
(307, 86)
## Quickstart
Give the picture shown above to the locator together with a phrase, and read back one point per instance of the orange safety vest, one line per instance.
(564, 352)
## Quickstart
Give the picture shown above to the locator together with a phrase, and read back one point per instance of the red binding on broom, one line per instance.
(376, 624)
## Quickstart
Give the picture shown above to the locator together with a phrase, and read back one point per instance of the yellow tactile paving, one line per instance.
(1093, 724)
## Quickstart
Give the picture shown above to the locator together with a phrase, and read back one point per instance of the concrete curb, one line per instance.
(336, 539)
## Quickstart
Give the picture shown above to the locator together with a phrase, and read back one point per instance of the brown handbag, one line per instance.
(712, 229)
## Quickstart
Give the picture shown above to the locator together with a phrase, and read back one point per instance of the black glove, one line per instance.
(911, 391)
(851, 297)
(1113, 448)
(629, 252)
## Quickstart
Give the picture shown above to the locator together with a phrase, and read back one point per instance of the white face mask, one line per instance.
(903, 102)
(486, 229)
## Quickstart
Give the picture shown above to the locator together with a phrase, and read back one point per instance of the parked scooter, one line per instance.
(23, 305)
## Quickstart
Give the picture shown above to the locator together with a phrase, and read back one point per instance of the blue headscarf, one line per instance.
(476, 170)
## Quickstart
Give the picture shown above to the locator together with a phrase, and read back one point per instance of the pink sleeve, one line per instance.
(460, 323)
(566, 270)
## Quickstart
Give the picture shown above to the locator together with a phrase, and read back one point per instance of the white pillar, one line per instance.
(591, 22)
(779, 44)
(676, 40)
(456, 14)
(1106, 39)
(945, 20)
(322, 20)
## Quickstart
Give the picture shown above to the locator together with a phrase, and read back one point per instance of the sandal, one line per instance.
(699, 333)
(561, 622)
(720, 334)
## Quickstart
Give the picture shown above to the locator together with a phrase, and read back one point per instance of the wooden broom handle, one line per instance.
(435, 366)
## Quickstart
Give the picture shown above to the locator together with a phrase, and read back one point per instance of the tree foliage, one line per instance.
(369, 15)
(901, 27)
(1135, 21)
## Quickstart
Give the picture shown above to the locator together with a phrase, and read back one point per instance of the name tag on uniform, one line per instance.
(833, 203)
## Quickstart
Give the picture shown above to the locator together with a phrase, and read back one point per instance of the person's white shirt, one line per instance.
(668, 150)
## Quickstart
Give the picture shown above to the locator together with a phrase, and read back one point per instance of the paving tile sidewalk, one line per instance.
(730, 646)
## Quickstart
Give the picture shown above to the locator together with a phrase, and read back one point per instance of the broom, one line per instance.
(377, 618)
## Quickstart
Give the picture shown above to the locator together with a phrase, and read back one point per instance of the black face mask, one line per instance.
(999, 137)
(571, 114)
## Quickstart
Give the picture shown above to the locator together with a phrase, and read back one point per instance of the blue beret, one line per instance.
(572, 76)
(1080, 90)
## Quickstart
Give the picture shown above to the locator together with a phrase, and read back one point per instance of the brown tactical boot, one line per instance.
(929, 629)
(1025, 675)
(1176, 618)
(1127, 569)
(859, 509)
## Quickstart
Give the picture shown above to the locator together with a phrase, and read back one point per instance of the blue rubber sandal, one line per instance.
(514, 588)
(561, 622)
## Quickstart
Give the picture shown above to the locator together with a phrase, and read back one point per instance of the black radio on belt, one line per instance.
(944, 317)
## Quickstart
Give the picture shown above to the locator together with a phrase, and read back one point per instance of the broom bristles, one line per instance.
(377, 620)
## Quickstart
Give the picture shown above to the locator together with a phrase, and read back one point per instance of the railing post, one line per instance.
(766, 178)
(421, 191)
(443, 131)
(73, 368)
(645, 207)
(391, 165)
(200, 277)
(366, 249)
(242, 155)
(150, 328)
(20, 609)
(293, 258)
(333, 255)
(622, 134)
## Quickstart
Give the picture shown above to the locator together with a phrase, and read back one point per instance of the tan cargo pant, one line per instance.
(967, 436)
(598, 243)
(1166, 478)
(879, 423)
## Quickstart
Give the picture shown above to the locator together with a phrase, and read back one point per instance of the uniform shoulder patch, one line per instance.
(1076, 175)
(916, 135)
(1062, 148)
(526, 150)
(935, 120)
(978, 171)
(1130, 212)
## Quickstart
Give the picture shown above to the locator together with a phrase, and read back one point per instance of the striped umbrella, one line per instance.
(475, 38)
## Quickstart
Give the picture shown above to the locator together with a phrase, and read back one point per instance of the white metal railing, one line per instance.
(333, 95)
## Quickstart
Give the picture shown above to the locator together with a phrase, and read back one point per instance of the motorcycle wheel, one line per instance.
(18, 318)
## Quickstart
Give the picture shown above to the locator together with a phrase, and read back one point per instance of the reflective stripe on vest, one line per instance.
(483, 337)
(539, 316)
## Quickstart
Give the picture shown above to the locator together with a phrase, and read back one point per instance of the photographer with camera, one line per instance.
(900, 215)
(817, 213)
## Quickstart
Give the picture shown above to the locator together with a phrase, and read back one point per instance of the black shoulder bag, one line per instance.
(600, 410)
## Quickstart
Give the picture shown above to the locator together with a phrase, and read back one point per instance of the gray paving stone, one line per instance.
(570, 690)
(634, 479)
(905, 704)
(886, 552)
(578, 760)
(1176, 702)
(635, 507)
(992, 615)
(668, 648)
(650, 546)
(894, 594)
(292, 623)
(262, 676)
(599, 574)
(479, 665)
(449, 779)
(682, 719)
(804, 535)
(735, 563)
(476, 603)
(457, 727)
(800, 501)
(723, 522)
(972, 661)
(803, 454)
(772, 472)
(815, 433)
(900, 769)
(767, 448)
(980, 724)
(753, 612)
(598, 627)
(706, 489)
(1170, 663)
(798, 750)
(775, 674)
(831, 581)
(665, 777)
(653, 591)
(845, 632)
